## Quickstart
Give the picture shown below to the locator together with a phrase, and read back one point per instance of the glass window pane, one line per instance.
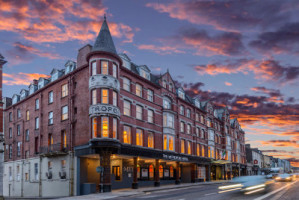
(105, 127)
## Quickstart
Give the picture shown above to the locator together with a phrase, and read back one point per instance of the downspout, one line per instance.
(40, 143)
(71, 170)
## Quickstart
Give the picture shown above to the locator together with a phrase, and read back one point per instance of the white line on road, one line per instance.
(210, 194)
(273, 192)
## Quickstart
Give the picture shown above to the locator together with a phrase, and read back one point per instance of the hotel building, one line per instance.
(105, 123)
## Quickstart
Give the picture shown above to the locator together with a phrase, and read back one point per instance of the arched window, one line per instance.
(161, 171)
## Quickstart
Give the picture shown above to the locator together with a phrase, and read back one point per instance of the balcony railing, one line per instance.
(54, 149)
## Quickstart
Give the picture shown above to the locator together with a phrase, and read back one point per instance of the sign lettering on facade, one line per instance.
(176, 158)
(99, 109)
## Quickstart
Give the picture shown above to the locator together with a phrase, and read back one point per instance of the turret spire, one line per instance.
(104, 41)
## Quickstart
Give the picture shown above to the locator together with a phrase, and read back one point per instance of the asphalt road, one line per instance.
(276, 191)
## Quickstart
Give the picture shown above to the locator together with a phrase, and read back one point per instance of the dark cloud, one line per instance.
(270, 92)
(232, 14)
(283, 40)
(227, 43)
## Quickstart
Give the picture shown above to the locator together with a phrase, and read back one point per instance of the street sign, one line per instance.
(100, 169)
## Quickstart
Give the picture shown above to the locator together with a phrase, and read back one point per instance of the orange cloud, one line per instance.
(281, 143)
(228, 83)
(58, 21)
(160, 49)
(21, 78)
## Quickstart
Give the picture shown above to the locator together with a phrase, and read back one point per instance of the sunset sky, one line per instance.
(239, 53)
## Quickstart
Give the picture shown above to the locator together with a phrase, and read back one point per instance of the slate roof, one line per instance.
(104, 40)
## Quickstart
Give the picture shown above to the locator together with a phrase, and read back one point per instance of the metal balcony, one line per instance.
(54, 150)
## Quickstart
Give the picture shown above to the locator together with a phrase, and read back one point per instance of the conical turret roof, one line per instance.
(104, 41)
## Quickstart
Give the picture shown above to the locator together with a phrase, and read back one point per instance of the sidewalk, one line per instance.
(131, 192)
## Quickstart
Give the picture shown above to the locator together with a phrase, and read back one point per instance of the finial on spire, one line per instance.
(105, 16)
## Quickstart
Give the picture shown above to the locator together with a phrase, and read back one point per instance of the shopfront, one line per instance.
(126, 166)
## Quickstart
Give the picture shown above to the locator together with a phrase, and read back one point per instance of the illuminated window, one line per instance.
(127, 108)
(182, 146)
(114, 98)
(94, 97)
(27, 115)
(202, 151)
(182, 126)
(104, 69)
(150, 116)
(105, 127)
(189, 147)
(138, 112)
(64, 90)
(168, 142)
(197, 117)
(64, 115)
(127, 135)
(150, 95)
(63, 139)
(171, 171)
(50, 140)
(208, 123)
(197, 149)
(114, 128)
(150, 140)
(126, 84)
(209, 152)
(139, 90)
(161, 171)
(114, 73)
(93, 68)
(104, 96)
(151, 171)
(139, 137)
(165, 142)
(94, 127)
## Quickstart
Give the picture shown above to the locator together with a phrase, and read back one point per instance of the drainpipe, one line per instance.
(40, 177)
(22, 180)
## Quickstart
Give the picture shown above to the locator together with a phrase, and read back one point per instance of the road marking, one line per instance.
(273, 192)
(210, 194)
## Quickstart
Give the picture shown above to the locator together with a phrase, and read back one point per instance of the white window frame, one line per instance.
(138, 90)
(93, 68)
(127, 108)
(64, 112)
(50, 116)
(139, 112)
(126, 84)
(150, 116)
(150, 95)
(106, 72)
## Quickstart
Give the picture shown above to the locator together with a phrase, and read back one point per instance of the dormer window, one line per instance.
(197, 103)
(31, 89)
(144, 74)
(15, 99)
(170, 87)
(164, 83)
(54, 76)
(181, 94)
(126, 61)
